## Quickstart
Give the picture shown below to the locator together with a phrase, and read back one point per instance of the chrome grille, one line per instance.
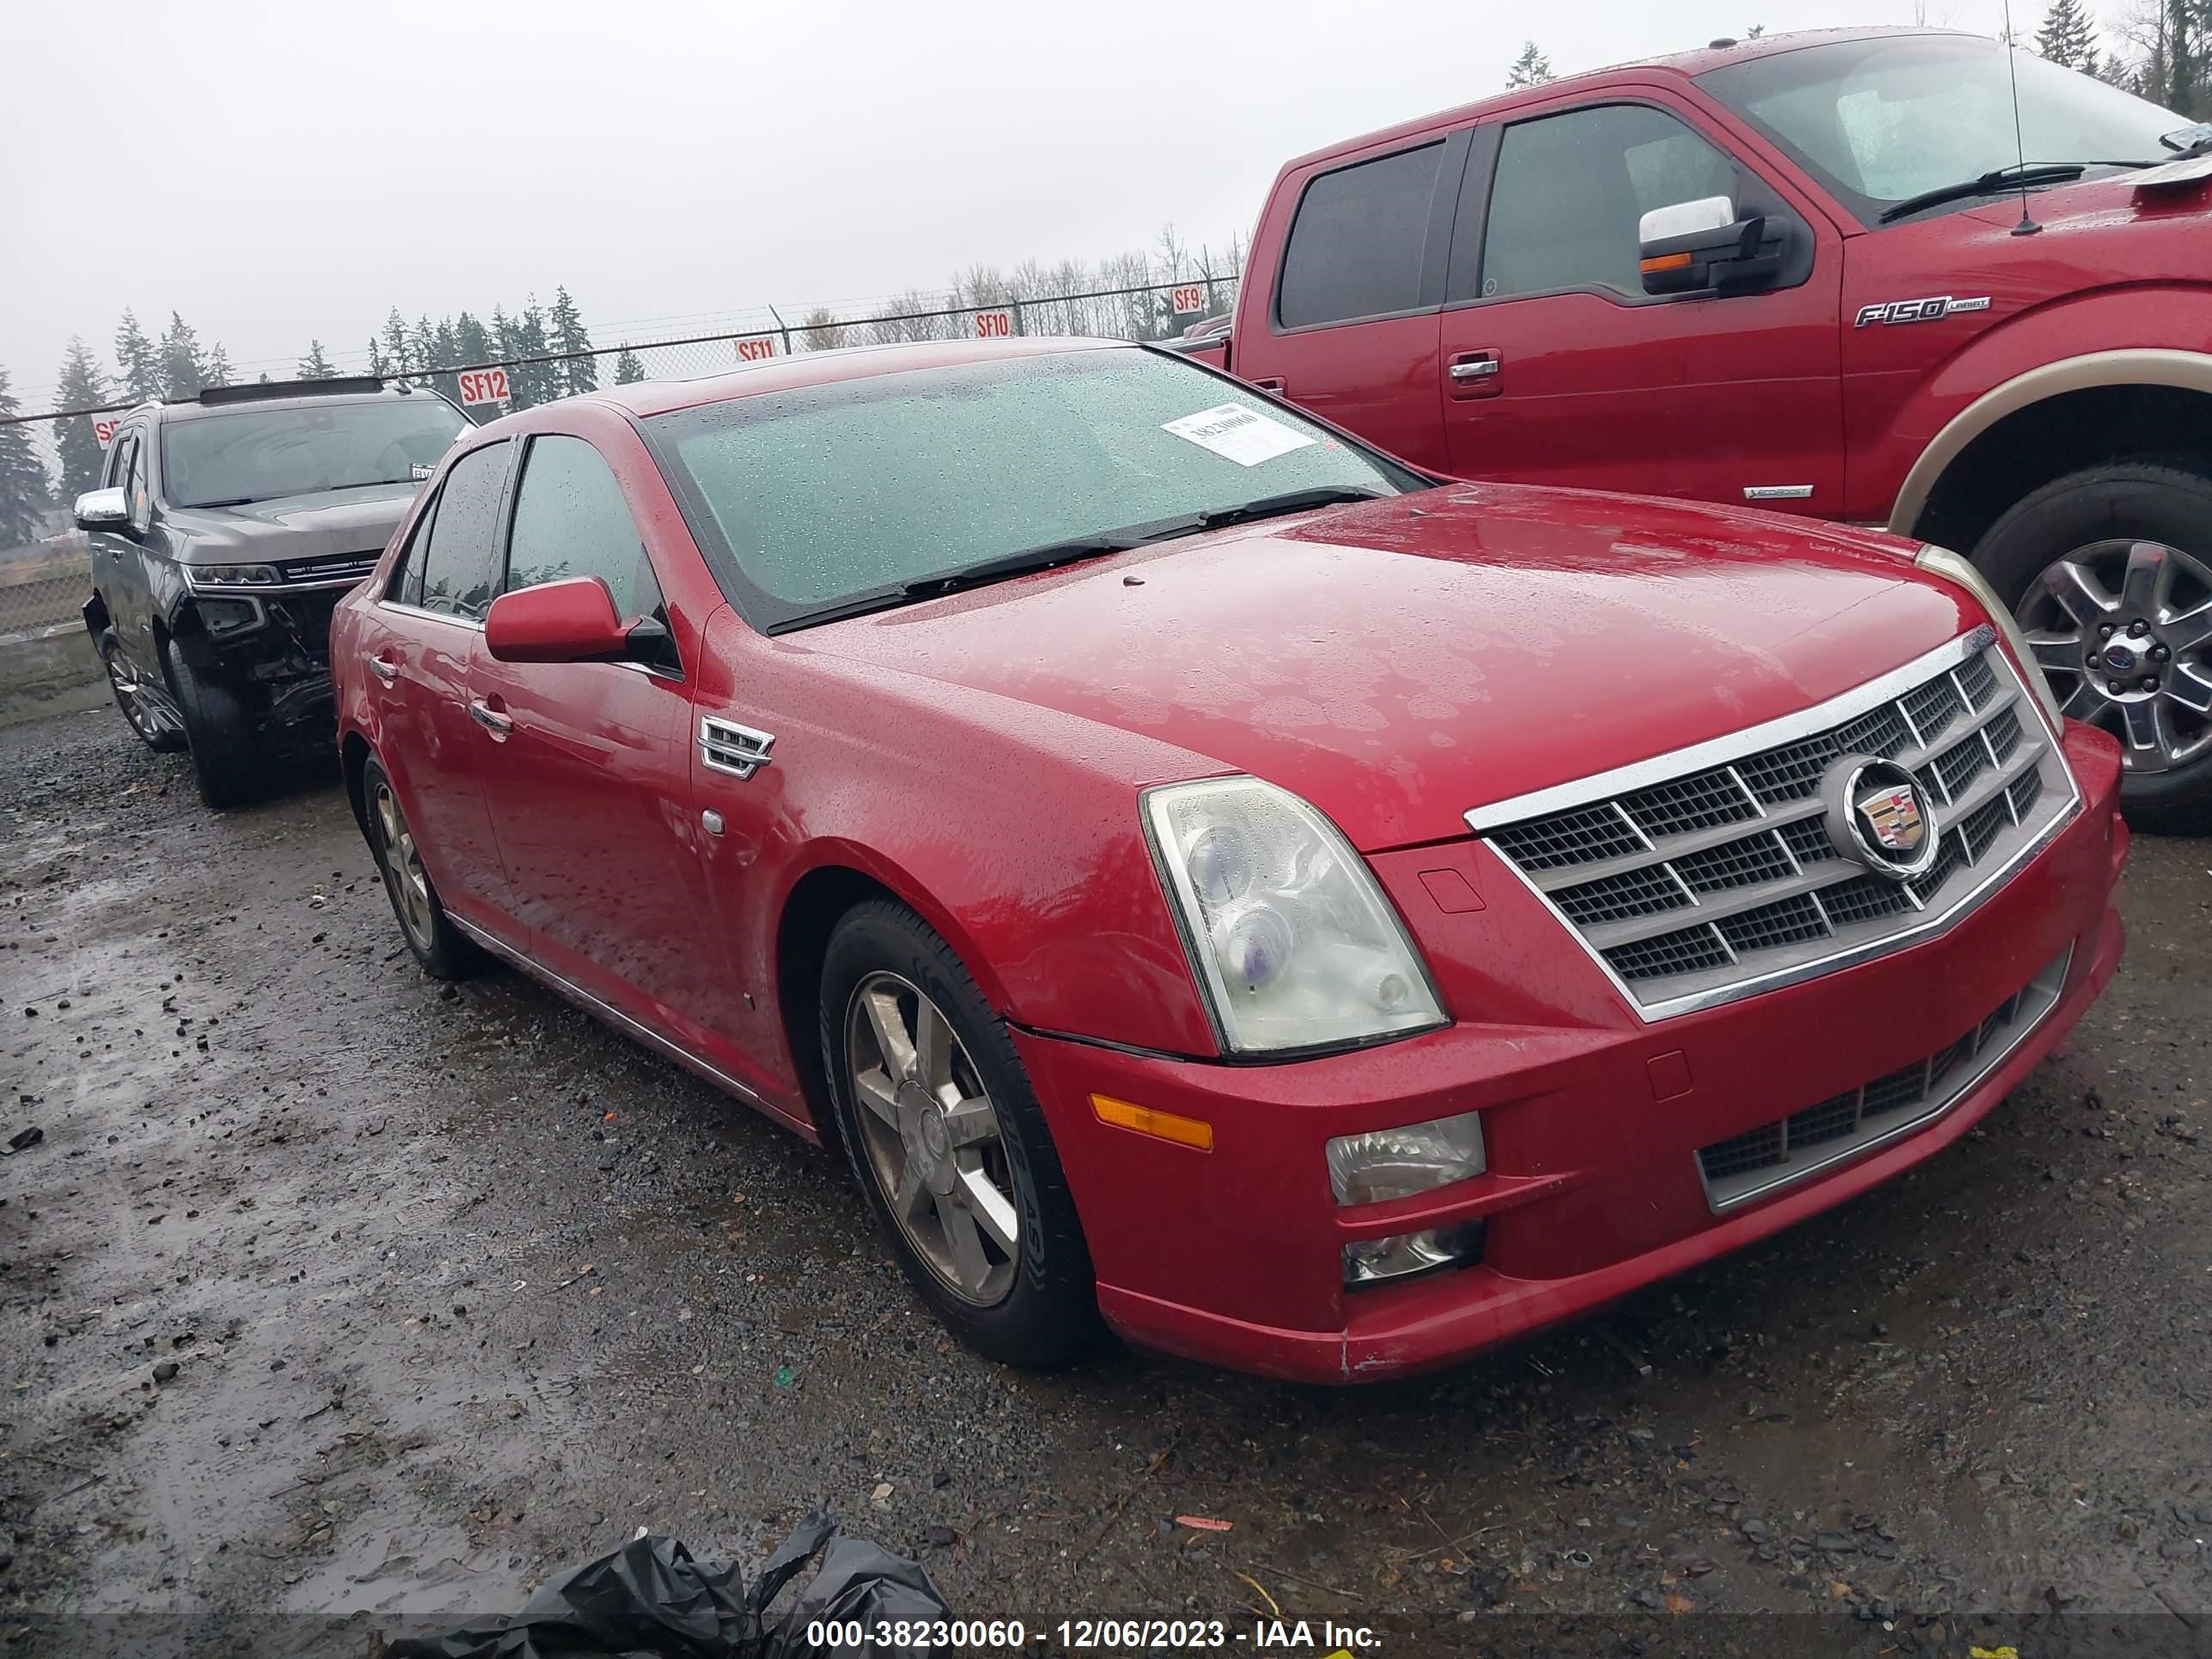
(1787, 1149)
(1709, 874)
(349, 569)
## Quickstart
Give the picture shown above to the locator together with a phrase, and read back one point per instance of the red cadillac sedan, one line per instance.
(1214, 881)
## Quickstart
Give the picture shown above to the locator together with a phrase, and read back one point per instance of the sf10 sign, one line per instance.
(1190, 297)
(483, 385)
(757, 347)
(994, 324)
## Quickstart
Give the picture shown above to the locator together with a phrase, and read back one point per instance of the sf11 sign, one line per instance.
(483, 385)
(757, 347)
(1189, 298)
(994, 324)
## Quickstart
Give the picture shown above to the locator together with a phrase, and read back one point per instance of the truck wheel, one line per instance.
(949, 1143)
(442, 949)
(226, 759)
(2109, 573)
(156, 728)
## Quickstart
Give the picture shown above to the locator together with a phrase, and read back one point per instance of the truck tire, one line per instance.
(219, 728)
(2119, 560)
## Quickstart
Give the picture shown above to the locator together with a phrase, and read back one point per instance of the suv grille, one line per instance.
(1789, 1149)
(1720, 878)
(349, 569)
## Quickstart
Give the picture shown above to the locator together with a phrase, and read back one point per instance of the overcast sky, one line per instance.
(279, 171)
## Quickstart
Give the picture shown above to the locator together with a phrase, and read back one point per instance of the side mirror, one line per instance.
(1693, 248)
(570, 621)
(103, 509)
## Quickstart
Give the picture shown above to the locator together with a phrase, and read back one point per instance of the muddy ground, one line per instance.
(333, 1295)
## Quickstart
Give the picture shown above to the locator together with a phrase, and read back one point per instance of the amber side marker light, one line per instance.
(1161, 1126)
(1668, 262)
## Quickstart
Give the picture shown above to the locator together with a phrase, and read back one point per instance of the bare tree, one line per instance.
(821, 330)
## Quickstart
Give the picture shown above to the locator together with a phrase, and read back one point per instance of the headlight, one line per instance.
(1942, 561)
(232, 576)
(1288, 932)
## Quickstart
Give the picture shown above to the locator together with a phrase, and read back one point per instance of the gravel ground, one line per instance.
(333, 1296)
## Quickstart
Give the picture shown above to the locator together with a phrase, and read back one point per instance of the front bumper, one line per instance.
(1593, 1122)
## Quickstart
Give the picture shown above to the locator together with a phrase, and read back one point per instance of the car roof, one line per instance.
(190, 411)
(1681, 66)
(644, 398)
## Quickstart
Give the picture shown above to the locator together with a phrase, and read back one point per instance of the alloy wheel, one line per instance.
(2122, 629)
(403, 866)
(933, 1139)
(143, 720)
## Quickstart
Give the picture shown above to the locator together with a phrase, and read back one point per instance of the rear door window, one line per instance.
(461, 563)
(406, 587)
(1357, 246)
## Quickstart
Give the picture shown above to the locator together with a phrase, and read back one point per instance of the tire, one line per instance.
(156, 732)
(1034, 1305)
(227, 763)
(442, 949)
(2138, 539)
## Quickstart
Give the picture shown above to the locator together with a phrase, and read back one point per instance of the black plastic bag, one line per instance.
(651, 1600)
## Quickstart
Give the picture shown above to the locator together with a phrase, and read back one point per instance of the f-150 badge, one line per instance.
(1917, 310)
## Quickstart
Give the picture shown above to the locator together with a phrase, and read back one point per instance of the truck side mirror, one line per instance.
(1694, 247)
(103, 509)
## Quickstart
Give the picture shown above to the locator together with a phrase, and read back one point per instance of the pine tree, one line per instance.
(628, 369)
(216, 371)
(532, 383)
(315, 366)
(81, 387)
(577, 373)
(472, 342)
(2068, 37)
(376, 364)
(182, 372)
(395, 354)
(139, 366)
(25, 489)
(1530, 68)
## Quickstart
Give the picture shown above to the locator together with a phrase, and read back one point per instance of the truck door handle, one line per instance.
(1476, 374)
(490, 718)
(384, 669)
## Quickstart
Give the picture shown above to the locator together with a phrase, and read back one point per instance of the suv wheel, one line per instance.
(949, 1143)
(442, 949)
(155, 726)
(2109, 573)
(219, 727)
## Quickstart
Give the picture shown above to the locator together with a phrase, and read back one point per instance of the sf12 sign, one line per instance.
(483, 385)
(994, 324)
(103, 427)
(1190, 297)
(757, 347)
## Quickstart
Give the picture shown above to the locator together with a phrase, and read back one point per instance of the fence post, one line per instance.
(1015, 306)
(781, 329)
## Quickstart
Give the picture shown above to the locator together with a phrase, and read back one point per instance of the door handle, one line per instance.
(490, 718)
(384, 670)
(1476, 374)
(1272, 383)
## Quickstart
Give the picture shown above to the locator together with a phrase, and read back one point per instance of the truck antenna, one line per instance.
(2027, 227)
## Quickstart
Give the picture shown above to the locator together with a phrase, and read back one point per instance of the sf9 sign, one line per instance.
(483, 385)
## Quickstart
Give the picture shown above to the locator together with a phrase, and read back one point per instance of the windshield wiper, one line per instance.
(236, 501)
(1291, 501)
(1996, 181)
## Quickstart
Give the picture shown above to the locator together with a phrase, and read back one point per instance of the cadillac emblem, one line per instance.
(1878, 816)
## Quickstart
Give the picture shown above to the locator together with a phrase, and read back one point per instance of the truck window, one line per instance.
(1355, 248)
(1570, 188)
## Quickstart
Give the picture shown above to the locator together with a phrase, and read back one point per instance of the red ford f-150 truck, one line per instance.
(1820, 273)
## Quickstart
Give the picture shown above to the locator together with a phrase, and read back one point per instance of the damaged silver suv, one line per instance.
(225, 529)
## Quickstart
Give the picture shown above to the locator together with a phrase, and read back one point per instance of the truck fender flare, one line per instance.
(2140, 366)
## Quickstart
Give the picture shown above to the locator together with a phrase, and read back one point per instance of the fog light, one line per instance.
(1386, 1163)
(1403, 1254)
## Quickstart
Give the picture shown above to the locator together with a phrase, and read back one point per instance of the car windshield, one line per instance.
(1883, 120)
(262, 454)
(811, 499)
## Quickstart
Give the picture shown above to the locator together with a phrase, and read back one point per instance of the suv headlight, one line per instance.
(1942, 561)
(232, 576)
(1287, 929)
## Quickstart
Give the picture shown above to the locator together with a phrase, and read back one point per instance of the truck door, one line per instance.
(1556, 368)
(1350, 329)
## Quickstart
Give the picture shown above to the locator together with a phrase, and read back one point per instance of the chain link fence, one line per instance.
(42, 585)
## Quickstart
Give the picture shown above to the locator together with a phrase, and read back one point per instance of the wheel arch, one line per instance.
(96, 619)
(2058, 417)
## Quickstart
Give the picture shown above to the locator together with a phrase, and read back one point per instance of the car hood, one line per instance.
(1400, 662)
(327, 523)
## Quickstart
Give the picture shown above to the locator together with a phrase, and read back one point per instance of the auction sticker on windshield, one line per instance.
(1237, 433)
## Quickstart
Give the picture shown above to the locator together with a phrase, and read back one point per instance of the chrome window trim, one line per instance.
(1723, 751)
(433, 616)
(1941, 1108)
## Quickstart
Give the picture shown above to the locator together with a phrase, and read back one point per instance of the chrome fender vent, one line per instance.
(728, 747)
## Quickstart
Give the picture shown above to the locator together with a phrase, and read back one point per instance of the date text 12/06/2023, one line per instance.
(1323, 1637)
